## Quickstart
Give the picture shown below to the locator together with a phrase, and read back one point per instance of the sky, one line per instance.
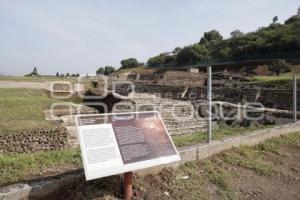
(80, 36)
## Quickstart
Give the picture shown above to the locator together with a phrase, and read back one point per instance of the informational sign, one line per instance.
(115, 143)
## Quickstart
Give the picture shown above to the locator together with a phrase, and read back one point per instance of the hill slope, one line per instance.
(272, 42)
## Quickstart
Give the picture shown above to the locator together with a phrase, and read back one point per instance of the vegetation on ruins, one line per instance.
(276, 41)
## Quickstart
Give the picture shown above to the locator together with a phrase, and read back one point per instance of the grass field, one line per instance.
(218, 134)
(20, 167)
(286, 76)
(23, 109)
(283, 77)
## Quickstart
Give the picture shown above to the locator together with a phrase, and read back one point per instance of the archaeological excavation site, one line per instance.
(136, 100)
(241, 108)
(179, 96)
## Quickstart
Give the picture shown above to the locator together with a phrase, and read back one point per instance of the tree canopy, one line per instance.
(129, 63)
(33, 73)
(237, 33)
(275, 19)
(210, 38)
(193, 54)
(107, 70)
(100, 70)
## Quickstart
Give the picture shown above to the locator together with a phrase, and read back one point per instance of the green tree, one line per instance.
(279, 66)
(158, 61)
(177, 50)
(237, 33)
(108, 70)
(100, 70)
(129, 63)
(225, 53)
(34, 71)
(275, 19)
(57, 74)
(193, 54)
(210, 38)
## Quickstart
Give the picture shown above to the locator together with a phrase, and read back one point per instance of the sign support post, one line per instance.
(127, 185)
(295, 98)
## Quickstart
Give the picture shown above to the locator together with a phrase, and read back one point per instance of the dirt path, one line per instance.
(267, 171)
(284, 183)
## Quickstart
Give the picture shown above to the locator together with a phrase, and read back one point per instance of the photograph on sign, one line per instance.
(115, 143)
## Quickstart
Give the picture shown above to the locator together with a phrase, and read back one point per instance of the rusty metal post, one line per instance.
(127, 185)
(295, 98)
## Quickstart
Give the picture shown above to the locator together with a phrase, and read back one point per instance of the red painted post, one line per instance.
(127, 185)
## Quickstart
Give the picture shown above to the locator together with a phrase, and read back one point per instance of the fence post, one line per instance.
(209, 80)
(295, 98)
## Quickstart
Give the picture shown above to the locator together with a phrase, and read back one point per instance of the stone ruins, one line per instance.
(179, 96)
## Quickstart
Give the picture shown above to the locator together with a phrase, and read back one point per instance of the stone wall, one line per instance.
(182, 78)
(34, 140)
(169, 78)
(272, 98)
(279, 97)
(157, 89)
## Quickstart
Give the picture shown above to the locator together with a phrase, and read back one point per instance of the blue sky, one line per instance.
(79, 36)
